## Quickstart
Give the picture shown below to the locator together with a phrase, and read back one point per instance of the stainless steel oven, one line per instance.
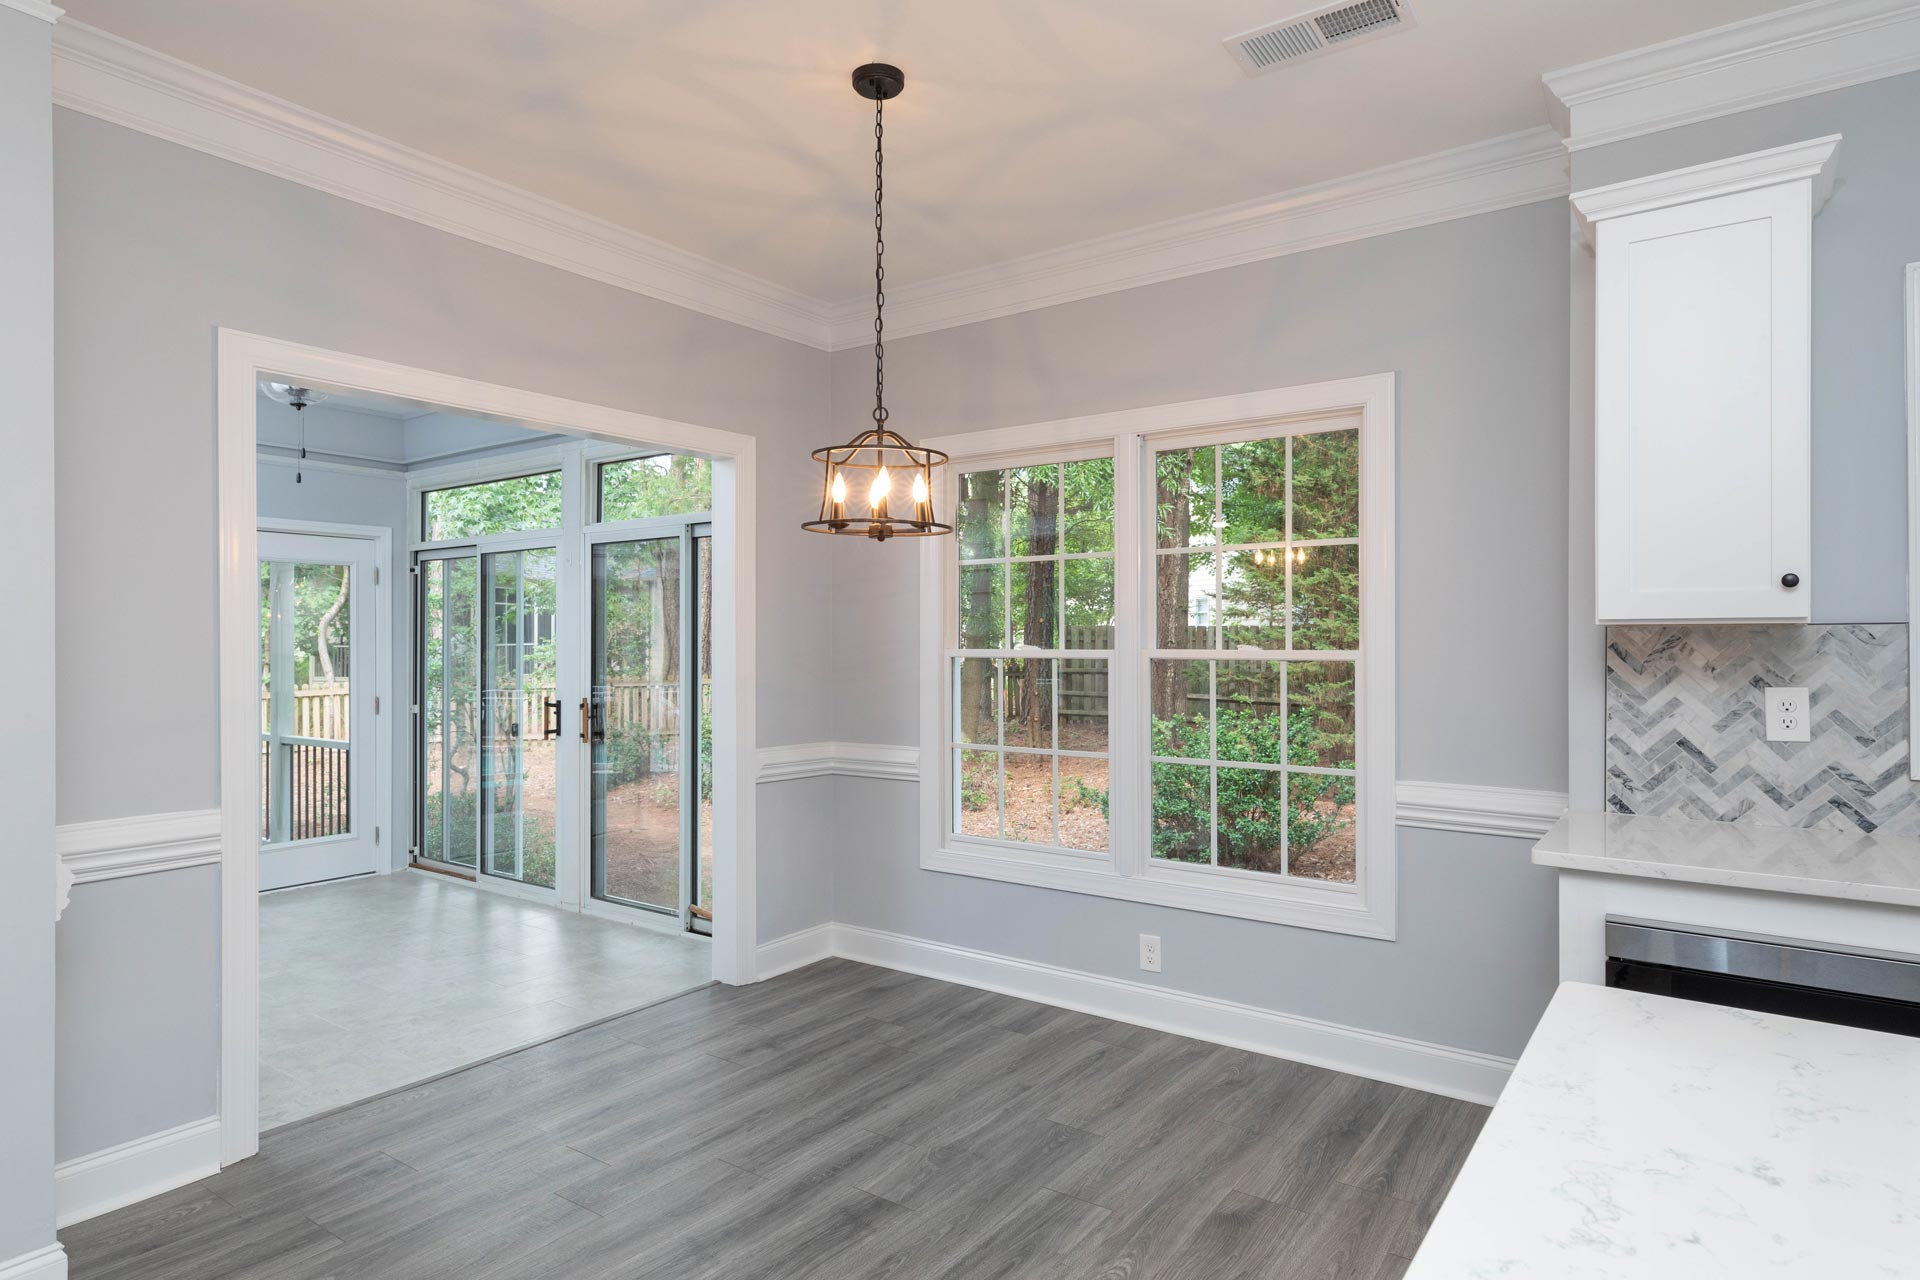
(1879, 990)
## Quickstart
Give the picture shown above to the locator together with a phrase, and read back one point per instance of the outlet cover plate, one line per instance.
(1788, 715)
(1150, 952)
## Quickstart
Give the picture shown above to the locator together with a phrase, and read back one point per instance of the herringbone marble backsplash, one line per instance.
(1685, 736)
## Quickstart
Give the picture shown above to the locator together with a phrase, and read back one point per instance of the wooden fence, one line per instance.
(320, 710)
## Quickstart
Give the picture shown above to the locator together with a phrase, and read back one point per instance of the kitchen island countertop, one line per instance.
(1642, 1136)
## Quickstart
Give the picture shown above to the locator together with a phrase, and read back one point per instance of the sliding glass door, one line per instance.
(489, 702)
(650, 823)
(449, 700)
(519, 715)
(638, 803)
(563, 694)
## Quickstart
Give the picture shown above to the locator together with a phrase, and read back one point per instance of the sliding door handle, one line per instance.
(549, 718)
(583, 719)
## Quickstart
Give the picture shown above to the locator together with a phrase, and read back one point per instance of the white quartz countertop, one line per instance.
(1823, 863)
(1642, 1136)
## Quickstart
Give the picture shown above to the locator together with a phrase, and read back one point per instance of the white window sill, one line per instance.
(1332, 910)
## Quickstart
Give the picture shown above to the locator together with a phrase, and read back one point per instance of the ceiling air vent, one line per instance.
(1304, 35)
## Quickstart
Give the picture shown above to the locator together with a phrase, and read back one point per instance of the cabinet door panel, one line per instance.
(1701, 409)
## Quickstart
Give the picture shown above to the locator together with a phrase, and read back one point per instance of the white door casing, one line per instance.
(242, 359)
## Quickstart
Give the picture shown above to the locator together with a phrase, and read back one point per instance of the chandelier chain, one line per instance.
(879, 265)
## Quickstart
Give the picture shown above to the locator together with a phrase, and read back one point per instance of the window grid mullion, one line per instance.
(1288, 597)
(1213, 756)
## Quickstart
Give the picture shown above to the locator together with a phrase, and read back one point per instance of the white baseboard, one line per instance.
(795, 951)
(46, 1263)
(1455, 1073)
(89, 1186)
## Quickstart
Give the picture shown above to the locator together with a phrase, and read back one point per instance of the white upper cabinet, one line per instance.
(1702, 394)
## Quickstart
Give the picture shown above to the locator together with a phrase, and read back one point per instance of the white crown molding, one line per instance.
(1776, 57)
(128, 84)
(1812, 159)
(35, 9)
(49, 1262)
(116, 847)
(1501, 173)
(1417, 1064)
(102, 75)
(91, 1185)
(1483, 811)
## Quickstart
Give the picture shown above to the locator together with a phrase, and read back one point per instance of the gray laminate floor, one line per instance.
(372, 983)
(839, 1123)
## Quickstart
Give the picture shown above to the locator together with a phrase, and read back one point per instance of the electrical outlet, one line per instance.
(1787, 715)
(1150, 952)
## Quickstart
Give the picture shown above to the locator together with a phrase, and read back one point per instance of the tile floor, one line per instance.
(369, 984)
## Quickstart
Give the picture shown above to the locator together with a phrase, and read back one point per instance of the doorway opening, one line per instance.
(495, 780)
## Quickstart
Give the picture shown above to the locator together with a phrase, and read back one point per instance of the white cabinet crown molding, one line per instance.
(1774, 57)
(1813, 159)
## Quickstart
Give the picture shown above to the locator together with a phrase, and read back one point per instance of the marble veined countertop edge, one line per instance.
(1650, 1138)
(1859, 866)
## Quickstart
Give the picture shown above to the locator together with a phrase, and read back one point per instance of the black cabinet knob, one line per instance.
(1789, 580)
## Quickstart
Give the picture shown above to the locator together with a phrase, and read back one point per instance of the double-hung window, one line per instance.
(1166, 657)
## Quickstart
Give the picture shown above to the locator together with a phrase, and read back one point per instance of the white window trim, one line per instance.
(1368, 907)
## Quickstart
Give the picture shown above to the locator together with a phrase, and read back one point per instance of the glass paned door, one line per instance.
(640, 811)
(702, 886)
(519, 715)
(316, 683)
(449, 612)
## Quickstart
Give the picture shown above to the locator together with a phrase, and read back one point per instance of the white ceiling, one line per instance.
(728, 128)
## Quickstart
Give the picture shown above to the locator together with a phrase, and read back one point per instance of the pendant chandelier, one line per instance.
(873, 463)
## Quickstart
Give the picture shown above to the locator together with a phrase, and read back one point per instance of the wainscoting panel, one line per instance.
(1686, 736)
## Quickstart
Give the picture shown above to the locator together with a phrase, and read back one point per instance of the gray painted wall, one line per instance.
(27, 642)
(158, 246)
(1862, 242)
(139, 1043)
(1472, 315)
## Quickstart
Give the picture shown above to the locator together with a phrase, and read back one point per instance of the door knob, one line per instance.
(1789, 580)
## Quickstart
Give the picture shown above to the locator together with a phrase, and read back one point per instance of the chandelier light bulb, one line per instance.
(877, 493)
